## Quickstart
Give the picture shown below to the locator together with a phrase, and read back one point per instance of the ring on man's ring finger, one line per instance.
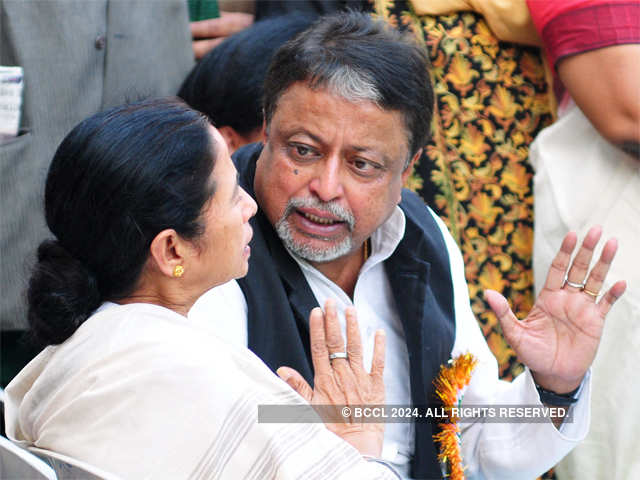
(575, 285)
(589, 292)
(333, 356)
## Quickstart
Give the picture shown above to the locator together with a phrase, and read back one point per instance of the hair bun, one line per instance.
(62, 294)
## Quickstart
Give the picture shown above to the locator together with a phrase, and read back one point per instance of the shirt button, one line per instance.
(100, 42)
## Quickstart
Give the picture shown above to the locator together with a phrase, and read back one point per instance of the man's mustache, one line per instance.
(332, 208)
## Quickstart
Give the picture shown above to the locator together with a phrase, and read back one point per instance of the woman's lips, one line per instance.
(247, 248)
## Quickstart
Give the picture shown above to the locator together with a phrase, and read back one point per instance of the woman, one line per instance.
(587, 172)
(147, 215)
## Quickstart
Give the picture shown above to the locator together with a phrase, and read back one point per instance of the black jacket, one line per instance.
(279, 301)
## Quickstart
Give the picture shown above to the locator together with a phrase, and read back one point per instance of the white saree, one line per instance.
(141, 392)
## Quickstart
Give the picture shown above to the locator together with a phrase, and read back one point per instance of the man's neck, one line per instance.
(343, 271)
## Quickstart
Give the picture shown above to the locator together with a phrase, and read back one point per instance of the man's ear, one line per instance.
(409, 170)
(232, 138)
(167, 251)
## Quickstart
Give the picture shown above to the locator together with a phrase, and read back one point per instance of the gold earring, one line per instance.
(178, 271)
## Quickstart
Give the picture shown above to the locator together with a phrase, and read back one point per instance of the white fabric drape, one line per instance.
(138, 391)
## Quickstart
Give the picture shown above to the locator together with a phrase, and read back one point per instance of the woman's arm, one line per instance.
(604, 84)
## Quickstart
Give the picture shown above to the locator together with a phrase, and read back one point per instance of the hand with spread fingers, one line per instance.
(559, 338)
(341, 379)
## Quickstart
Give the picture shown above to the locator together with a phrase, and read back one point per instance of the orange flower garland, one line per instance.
(449, 384)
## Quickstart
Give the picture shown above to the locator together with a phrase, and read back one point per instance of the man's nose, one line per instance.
(327, 181)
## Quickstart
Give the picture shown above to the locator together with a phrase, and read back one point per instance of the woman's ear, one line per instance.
(168, 251)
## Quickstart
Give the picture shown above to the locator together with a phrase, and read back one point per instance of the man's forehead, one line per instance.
(310, 110)
(297, 91)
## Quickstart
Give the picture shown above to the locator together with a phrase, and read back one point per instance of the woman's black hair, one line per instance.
(117, 180)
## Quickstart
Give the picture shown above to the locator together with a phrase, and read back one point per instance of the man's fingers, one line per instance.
(508, 321)
(582, 260)
(614, 293)
(379, 346)
(208, 34)
(599, 272)
(202, 47)
(558, 269)
(354, 343)
(210, 28)
(296, 381)
(227, 24)
(319, 352)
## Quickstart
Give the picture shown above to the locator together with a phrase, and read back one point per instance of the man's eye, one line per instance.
(362, 165)
(366, 168)
(302, 150)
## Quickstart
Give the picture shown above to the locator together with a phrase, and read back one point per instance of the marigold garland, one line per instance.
(449, 384)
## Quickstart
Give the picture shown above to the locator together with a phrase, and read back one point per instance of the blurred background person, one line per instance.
(587, 171)
(227, 84)
(215, 20)
(78, 58)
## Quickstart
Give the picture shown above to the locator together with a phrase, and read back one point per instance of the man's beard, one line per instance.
(306, 251)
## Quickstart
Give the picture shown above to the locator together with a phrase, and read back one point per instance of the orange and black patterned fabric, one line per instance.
(491, 101)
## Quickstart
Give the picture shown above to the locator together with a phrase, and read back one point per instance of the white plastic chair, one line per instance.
(2, 410)
(67, 468)
(18, 464)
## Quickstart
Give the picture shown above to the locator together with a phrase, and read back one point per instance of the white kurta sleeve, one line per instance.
(505, 450)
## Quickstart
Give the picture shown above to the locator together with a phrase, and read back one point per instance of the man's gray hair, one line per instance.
(352, 85)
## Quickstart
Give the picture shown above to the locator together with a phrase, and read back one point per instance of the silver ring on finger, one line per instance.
(333, 356)
(574, 285)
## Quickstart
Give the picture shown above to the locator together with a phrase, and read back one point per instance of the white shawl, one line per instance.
(141, 392)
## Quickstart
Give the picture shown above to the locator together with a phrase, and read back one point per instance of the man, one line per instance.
(78, 58)
(347, 109)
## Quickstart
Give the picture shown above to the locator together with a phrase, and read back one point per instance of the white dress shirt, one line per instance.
(489, 450)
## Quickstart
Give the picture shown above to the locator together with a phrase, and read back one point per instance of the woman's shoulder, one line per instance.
(143, 324)
(145, 333)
